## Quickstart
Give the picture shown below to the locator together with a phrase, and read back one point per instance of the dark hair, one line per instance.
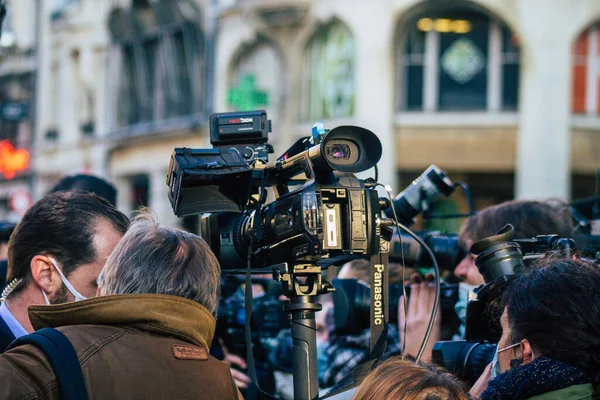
(88, 183)
(61, 224)
(556, 306)
(529, 218)
(400, 379)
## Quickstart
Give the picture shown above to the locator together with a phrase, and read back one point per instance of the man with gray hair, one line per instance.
(146, 336)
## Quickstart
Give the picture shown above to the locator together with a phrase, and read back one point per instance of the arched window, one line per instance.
(161, 62)
(458, 60)
(256, 80)
(329, 73)
(586, 72)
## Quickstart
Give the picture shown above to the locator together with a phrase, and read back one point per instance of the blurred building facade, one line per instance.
(502, 94)
(17, 84)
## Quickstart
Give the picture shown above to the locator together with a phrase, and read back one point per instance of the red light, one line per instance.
(11, 160)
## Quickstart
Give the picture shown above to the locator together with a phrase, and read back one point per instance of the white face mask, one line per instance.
(64, 279)
(463, 299)
(496, 364)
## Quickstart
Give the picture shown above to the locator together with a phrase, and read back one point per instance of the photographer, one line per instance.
(529, 219)
(550, 344)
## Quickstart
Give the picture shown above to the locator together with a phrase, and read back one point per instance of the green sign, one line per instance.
(246, 96)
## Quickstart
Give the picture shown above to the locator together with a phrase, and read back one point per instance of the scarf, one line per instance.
(542, 375)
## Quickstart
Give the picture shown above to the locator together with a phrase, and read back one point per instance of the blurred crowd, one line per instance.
(149, 314)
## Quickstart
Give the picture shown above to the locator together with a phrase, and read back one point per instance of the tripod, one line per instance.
(301, 284)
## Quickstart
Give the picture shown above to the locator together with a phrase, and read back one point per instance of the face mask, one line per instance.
(64, 279)
(496, 365)
(460, 308)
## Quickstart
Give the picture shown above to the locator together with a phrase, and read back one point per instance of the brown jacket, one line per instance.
(129, 346)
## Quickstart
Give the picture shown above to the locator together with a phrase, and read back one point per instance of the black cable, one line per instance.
(437, 282)
(249, 295)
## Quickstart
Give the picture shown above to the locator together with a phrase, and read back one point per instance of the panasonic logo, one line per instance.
(378, 315)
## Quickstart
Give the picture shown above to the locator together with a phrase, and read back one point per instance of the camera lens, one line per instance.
(340, 151)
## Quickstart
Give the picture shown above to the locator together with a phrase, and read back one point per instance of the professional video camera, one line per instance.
(322, 214)
(499, 259)
(331, 217)
(352, 300)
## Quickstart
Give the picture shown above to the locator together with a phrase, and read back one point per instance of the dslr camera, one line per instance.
(499, 259)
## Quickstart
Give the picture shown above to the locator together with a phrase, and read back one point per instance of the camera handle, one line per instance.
(301, 284)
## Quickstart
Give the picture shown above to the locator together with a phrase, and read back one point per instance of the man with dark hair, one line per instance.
(56, 254)
(88, 183)
(148, 333)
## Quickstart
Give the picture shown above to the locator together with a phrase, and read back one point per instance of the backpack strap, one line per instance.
(63, 359)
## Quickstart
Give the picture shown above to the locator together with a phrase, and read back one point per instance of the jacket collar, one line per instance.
(162, 314)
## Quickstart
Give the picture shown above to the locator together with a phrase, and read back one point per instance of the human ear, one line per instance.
(44, 275)
(527, 351)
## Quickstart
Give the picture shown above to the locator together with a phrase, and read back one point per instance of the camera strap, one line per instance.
(379, 324)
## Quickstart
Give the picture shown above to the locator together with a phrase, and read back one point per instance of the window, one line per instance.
(256, 81)
(329, 73)
(458, 61)
(160, 73)
(586, 72)
(159, 65)
(58, 7)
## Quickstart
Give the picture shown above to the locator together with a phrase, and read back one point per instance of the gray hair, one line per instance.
(157, 260)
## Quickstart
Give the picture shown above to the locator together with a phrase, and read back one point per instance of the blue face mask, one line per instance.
(460, 308)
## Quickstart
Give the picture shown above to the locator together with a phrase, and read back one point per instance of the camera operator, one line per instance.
(55, 255)
(147, 335)
(550, 344)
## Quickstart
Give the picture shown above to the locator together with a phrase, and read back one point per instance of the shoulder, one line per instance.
(26, 373)
(575, 392)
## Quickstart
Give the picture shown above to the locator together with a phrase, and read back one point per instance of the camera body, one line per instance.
(322, 214)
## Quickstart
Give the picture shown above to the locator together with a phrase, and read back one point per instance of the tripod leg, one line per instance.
(304, 347)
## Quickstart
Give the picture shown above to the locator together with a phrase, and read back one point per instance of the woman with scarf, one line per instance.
(550, 344)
